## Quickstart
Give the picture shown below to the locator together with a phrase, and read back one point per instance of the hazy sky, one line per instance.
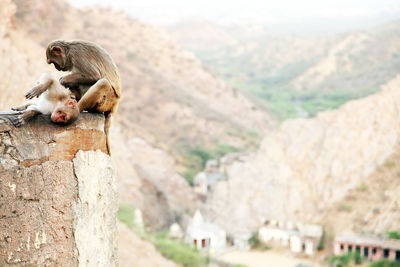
(267, 11)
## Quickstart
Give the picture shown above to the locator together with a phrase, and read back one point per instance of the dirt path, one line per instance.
(263, 259)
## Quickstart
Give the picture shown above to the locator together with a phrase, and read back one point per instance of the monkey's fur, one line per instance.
(94, 77)
(52, 98)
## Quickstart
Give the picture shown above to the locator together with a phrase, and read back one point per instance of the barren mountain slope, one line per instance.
(168, 97)
(373, 206)
(169, 100)
(307, 165)
(293, 73)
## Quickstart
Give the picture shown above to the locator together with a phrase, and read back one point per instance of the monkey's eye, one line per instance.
(73, 97)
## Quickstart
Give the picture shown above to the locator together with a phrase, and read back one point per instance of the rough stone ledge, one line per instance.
(58, 199)
(41, 140)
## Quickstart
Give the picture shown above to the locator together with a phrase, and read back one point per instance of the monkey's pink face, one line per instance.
(63, 114)
(59, 117)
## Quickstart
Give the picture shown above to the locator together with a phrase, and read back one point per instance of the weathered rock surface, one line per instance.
(308, 164)
(141, 253)
(57, 194)
(149, 182)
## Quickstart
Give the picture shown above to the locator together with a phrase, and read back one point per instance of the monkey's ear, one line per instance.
(56, 50)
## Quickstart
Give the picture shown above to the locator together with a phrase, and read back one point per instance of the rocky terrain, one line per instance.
(308, 167)
(58, 193)
(169, 99)
(139, 253)
(293, 73)
(339, 165)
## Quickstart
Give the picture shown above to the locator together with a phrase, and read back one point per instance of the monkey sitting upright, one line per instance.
(94, 77)
(52, 98)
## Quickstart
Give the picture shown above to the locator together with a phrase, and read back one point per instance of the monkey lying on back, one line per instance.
(52, 99)
(94, 77)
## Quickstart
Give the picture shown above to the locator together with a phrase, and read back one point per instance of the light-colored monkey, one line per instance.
(52, 98)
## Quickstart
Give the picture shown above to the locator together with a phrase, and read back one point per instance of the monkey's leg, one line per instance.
(23, 118)
(22, 107)
(98, 96)
(101, 96)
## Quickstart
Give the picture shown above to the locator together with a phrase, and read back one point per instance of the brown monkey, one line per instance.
(52, 99)
(94, 77)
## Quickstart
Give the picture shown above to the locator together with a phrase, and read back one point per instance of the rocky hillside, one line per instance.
(309, 166)
(373, 206)
(162, 83)
(297, 73)
(139, 253)
(169, 99)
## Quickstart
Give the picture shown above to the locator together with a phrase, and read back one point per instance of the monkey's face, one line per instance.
(57, 56)
(66, 113)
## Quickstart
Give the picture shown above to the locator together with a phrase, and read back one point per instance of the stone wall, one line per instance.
(58, 196)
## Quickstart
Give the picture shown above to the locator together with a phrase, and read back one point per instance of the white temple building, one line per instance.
(205, 236)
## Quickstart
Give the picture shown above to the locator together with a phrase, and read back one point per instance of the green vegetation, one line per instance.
(345, 260)
(286, 102)
(363, 187)
(393, 234)
(222, 149)
(389, 164)
(126, 214)
(255, 71)
(321, 242)
(344, 207)
(172, 249)
(384, 263)
(255, 243)
(177, 251)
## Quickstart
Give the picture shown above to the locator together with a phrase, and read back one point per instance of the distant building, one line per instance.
(301, 239)
(241, 241)
(311, 235)
(200, 183)
(372, 248)
(205, 236)
(274, 234)
(212, 166)
(175, 231)
(203, 181)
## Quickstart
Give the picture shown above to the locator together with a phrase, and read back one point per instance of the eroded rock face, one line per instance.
(57, 194)
(308, 164)
(148, 181)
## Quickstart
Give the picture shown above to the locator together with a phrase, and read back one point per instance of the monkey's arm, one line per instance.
(19, 118)
(77, 79)
(37, 90)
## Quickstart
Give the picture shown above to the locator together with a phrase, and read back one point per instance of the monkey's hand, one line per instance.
(17, 120)
(63, 81)
(35, 91)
